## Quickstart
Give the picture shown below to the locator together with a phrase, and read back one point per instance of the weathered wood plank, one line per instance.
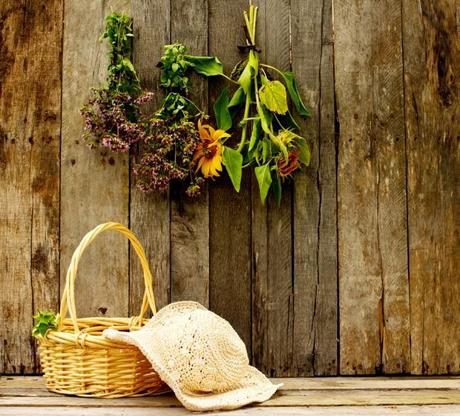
(15, 385)
(315, 216)
(30, 99)
(273, 297)
(431, 64)
(450, 410)
(374, 306)
(230, 213)
(94, 183)
(190, 218)
(150, 214)
(288, 399)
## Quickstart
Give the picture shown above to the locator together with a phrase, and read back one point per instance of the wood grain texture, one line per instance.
(315, 398)
(428, 410)
(273, 291)
(374, 291)
(431, 65)
(230, 213)
(315, 215)
(382, 193)
(94, 183)
(294, 394)
(30, 94)
(33, 385)
(190, 218)
(150, 213)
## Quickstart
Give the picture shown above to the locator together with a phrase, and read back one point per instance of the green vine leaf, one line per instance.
(255, 135)
(233, 162)
(264, 179)
(304, 149)
(237, 99)
(273, 95)
(44, 321)
(245, 78)
(277, 188)
(294, 93)
(208, 66)
(221, 111)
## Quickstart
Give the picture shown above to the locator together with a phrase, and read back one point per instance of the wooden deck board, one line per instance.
(312, 396)
(250, 411)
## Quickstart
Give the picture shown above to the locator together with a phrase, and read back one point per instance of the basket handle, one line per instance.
(68, 296)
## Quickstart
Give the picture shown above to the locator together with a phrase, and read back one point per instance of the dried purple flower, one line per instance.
(166, 156)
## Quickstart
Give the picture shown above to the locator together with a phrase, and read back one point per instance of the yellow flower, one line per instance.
(209, 151)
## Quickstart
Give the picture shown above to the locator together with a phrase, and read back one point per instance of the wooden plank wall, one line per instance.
(355, 273)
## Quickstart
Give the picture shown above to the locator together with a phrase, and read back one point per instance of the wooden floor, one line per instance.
(336, 396)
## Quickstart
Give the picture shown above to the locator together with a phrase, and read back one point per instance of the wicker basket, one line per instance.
(78, 360)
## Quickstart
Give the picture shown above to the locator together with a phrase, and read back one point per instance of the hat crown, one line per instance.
(205, 352)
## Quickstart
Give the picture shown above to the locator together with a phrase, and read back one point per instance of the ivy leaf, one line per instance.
(294, 93)
(223, 116)
(44, 321)
(273, 95)
(233, 162)
(277, 188)
(208, 66)
(264, 179)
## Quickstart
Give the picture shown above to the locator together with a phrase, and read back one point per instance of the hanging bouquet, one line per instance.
(177, 144)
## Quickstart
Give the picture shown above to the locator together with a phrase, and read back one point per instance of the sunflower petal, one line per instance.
(219, 134)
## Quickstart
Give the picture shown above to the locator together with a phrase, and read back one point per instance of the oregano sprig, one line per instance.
(118, 32)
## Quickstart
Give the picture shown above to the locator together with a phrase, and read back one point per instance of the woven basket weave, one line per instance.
(78, 360)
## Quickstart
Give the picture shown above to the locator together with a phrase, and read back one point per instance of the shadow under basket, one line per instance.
(78, 360)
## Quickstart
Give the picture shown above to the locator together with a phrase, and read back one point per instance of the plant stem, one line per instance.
(247, 107)
(272, 68)
(229, 79)
(191, 102)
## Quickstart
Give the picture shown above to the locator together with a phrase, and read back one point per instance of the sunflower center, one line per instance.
(209, 152)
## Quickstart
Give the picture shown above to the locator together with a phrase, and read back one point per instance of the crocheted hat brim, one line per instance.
(254, 386)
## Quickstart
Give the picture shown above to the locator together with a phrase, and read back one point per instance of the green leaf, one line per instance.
(127, 62)
(255, 134)
(277, 188)
(287, 120)
(44, 321)
(223, 116)
(208, 66)
(304, 149)
(233, 162)
(237, 98)
(264, 179)
(294, 93)
(253, 62)
(273, 95)
(245, 78)
(265, 119)
(266, 150)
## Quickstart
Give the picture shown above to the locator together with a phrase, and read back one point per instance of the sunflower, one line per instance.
(289, 166)
(208, 152)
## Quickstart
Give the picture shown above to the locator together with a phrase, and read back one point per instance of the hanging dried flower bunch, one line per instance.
(177, 145)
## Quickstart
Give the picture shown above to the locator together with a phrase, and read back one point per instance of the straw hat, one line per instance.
(200, 356)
